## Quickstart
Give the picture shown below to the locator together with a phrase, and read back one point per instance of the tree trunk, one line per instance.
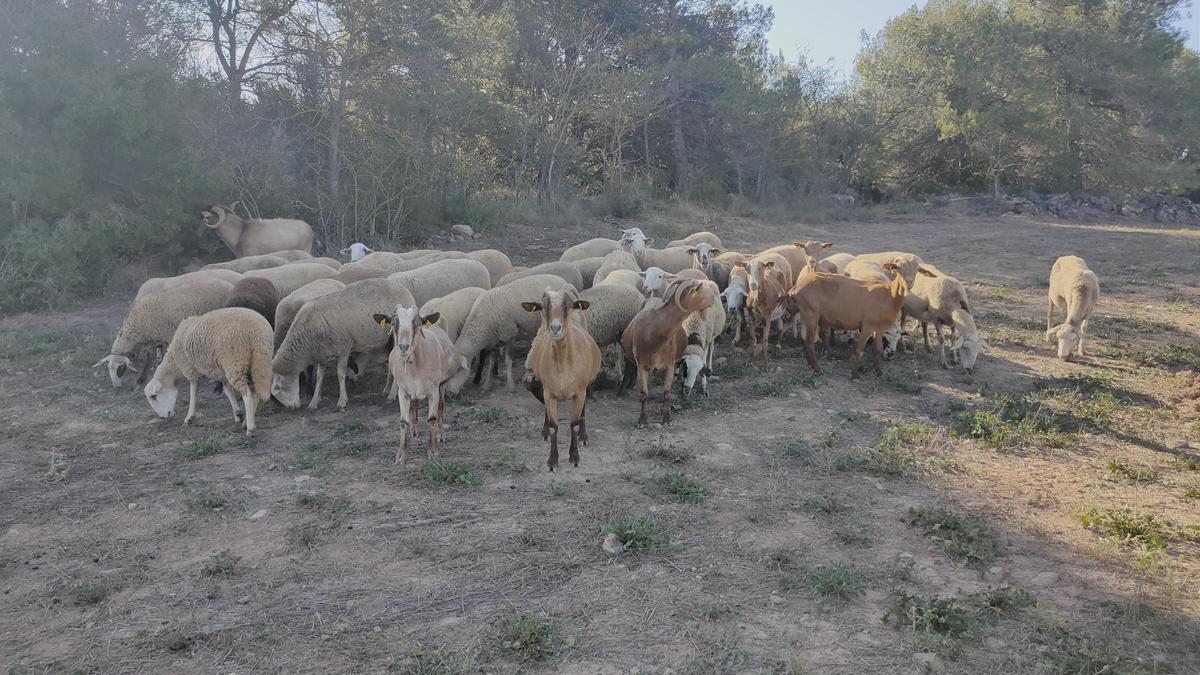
(337, 116)
(679, 145)
(235, 93)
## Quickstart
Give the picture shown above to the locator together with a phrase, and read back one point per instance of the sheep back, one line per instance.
(443, 278)
(157, 284)
(291, 276)
(288, 307)
(587, 269)
(496, 262)
(453, 309)
(232, 345)
(616, 260)
(497, 316)
(248, 263)
(590, 249)
(410, 264)
(563, 270)
(694, 238)
(257, 294)
(293, 254)
(613, 306)
(153, 318)
(623, 278)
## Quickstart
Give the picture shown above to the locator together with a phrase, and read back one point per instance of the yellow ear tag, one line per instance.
(383, 324)
(427, 324)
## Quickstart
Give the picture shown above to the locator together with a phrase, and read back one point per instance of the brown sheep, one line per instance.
(255, 293)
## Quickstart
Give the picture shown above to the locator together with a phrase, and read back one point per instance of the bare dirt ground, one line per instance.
(926, 520)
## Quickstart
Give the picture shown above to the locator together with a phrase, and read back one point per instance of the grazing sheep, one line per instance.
(356, 251)
(421, 363)
(417, 262)
(497, 319)
(587, 269)
(256, 294)
(838, 261)
(590, 249)
(452, 309)
(294, 255)
(329, 262)
(622, 278)
(231, 346)
(563, 270)
(381, 259)
(352, 272)
(696, 238)
(161, 283)
(330, 329)
(942, 301)
(672, 260)
(616, 260)
(906, 263)
(655, 339)
(1074, 288)
(288, 278)
(257, 236)
(289, 306)
(443, 278)
(564, 361)
(735, 295)
(834, 301)
(249, 263)
(703, 329)
(153, 318)
(496, 262)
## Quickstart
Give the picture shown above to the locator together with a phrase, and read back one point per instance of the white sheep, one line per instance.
(622, 278)
(655, 281)
(417, 262)
(839, 261)
(496, 262)
(292, 255)
(380, 259)
(616, 260)
(153, 318)
(942, 301)
(588, 267)
(421, 363)
(613, 306)
(356, 251)
(703, 329)
(497, 319)
(906, 263)
(157, 284)
(330, 262)
(330, 329)
(696, 238)
(1075, 289)
(256, 236)
(563, 270)
(634, 241)
(452, 309)
(253, 262)
(590, 249)
(231, 346)
(288, 278)
(735, 296)
(442, 278)
(286, 310)
(672, 260)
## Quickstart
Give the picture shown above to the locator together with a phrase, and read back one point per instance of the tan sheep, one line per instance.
(616, 260)
(243, 265)
(622, 278)
(563, 270)
(442, 278)
(496, 262)
(417, 262)
(590, 249)
(697, 238)
(452, 309)
(286, 310)
(288, 278)
(1074, 289)
(231, 346)
(161, 283)
(257, 236)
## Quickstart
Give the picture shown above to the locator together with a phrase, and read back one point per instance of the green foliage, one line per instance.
(205, 446)
(90, 592)
(641, 534)
(223, 564)
(678, 486)
(967, 539)
(434, 662)
(667, 453)
(449, 474)
(1133, 528)
(1170, 356)
(528, 638)
(835, 581)
(1137, 474)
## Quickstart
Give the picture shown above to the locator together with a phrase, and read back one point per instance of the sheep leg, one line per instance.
(479, 366)
(435, 422)
(191, 402)
(578, 430)
(1049, 314)
(237, 412)
(766, 340)
(251, 404)
(878, 353)
(343, 398)
(387, 384)
(317, 380)
(941, 342)
(644, 389)
(860, 345)
(737, 325)
(406, 423)
(508, 381)
(487, 370)
(670, 377)
(1082, 334)
(552, 424)
(810, 346)
(925, 335)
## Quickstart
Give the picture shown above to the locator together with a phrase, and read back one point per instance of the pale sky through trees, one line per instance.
(827, 30)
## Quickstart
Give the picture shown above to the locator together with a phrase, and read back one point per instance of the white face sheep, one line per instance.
(703, 255)
(422, 363)
(695, 239)
(634, 241)
(654, 281)
(703, 329)
(230, 345)
(590, 249)
(356, 251)
(1074, 288)
(257, 236)
(564, 360)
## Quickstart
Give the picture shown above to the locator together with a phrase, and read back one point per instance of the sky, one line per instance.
(827, 31)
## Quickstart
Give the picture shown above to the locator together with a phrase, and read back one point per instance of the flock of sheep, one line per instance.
(271, 321)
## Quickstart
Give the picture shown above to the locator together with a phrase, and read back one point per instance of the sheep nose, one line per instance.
(556, 328)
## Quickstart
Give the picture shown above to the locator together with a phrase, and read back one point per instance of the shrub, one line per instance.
(528, 638)
(639, 533)
(964, 538)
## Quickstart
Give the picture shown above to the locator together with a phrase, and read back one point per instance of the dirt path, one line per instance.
(775, 511)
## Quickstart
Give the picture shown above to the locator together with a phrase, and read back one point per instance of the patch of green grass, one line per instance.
(329, 505)
(528, 638)
(1004, 319)
(488, 414)
(508, 460)
(667, 453)
(1115, 326)
(309, 534)
(1191, 493)
(223, 564)
(641, 534)
(1170, 356)
(185, 638)
(835, 581)
(732, 371)
(1003, 602)
(1065, 653)
(1187, 463)
(967, 539)
(852, 535)
(797, 448)
(933, 619)
(906, 382)
(825, 503)
(1137, 474)
(350, 428)
(205, 498)
(721, 653)
(1133, 528)
(782, 559)
(313, 460)
(89, 592)
(205, 446)
(359, 448)
(558, 488)
(435, 662)
(678, 486)
(781, 385)
(448, 474)
(1009, 423)
(902, 450)
(1178, 300)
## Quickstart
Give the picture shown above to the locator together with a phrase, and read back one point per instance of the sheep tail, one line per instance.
(260, 370)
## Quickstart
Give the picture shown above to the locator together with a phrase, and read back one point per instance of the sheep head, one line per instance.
(406, 326)
(703, 253)
(118, 365)
(692, 295)
(634, 241)
(357, 251)
(286, 390)
(813, 250)
(968, 348)
(1068, 338)
(556, 307)
(161, 397)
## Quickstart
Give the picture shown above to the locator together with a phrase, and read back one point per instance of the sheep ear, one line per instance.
(798, 244)
(828, 244)
(770, 263)
(582, 304)
(383, 320)
(345, 251)
(532, 306)
(102, 361)
(691, 251)
(891, 267)
(649, 241)
(926, 272)
(715, 251)
(739, 263)
(430, 319)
